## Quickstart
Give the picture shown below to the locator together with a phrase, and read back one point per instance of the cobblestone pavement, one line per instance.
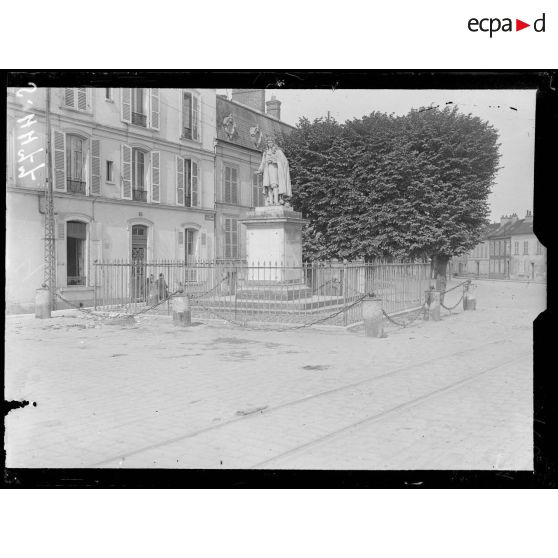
(454, 394)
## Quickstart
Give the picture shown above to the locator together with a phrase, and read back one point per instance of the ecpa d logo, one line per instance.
(492, 25)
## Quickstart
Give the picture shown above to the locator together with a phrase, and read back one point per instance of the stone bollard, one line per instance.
(434, 307)
(373, 317)
(42, 303)
(181, 311)
(469, 299)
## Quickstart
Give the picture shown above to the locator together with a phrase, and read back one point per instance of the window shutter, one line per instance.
(61, 230)
(196, 118)
(126, 104)
(95, 188)
(227, 238)
(155, 109)
(69, 97)
(82, 98)
(179, 181)
(155, 176)
(126, 171)
(180, 237)
(234, 225)
(59, 161)
(195, 185)
(234, 185)
(227, 191)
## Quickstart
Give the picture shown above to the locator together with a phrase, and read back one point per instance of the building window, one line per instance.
(516, 248)
(539, 249)
(110, 171)
(139, 108)
(76, 235)
(231, 238)
(76, 98)
(257, 193)
(190, 116)
(75, 164)
(526, 248)
(230, 187)
(187, 183)
(108, 93)
(139, 193)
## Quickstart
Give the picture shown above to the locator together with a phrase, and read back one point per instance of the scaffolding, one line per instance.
(49, 238)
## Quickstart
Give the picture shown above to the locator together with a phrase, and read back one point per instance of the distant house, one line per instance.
(528, 254)
(476, 261)
(500, 248)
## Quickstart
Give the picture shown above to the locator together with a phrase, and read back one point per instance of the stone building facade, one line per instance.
(242, 127)
(528, 254)
(133, 178)
(509, 250)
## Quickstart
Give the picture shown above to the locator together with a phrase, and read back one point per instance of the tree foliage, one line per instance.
(386, 186)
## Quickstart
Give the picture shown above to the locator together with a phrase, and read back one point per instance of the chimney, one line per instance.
(529, 216)
(505, 219)
(274, 108)
(253, 98)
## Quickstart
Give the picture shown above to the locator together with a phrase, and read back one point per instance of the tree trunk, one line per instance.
(440, 266)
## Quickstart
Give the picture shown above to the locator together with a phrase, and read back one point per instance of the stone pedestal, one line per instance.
(274, 245)
(274, 255)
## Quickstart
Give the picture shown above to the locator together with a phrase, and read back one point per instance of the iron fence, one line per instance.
(263, 292)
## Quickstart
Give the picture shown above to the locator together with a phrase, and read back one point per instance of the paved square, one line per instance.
(454, 394)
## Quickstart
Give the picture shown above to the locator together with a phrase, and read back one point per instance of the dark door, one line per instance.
(139, 253)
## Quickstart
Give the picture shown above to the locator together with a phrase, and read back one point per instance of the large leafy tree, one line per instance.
(386, 186)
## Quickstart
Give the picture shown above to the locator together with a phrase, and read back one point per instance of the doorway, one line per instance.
(138, 258)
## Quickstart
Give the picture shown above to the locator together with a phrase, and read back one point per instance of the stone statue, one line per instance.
(276, 178)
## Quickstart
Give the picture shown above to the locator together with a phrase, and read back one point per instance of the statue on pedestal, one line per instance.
(276, 178)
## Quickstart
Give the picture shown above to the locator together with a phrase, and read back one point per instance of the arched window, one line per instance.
(76, 238)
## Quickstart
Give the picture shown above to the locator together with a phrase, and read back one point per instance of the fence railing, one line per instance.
(268, 293)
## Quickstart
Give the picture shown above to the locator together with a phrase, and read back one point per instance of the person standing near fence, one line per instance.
(151, 290)
(162, 289)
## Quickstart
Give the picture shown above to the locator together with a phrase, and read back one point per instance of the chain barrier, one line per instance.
(450, 308)
(292, 328)
(403, 324)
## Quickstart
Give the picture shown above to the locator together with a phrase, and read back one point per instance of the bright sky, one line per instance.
(513, 190)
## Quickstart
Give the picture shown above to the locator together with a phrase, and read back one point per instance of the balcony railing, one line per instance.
(139, 119)
(139, 195)
(75, 186)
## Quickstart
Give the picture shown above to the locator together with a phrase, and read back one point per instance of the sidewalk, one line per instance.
(155, 395)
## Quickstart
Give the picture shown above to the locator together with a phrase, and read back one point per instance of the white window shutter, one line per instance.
(155, 176)
(69, 97)
(126, 104)
(228, 238)
(235, 225)
(180, 237)
(82, 98)
(179, 181)
(195, 184)
(59, 142)
(126, 171)
(196, 117)
(234, 185)
(95, 186)
(155, 109)
(61, 232)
